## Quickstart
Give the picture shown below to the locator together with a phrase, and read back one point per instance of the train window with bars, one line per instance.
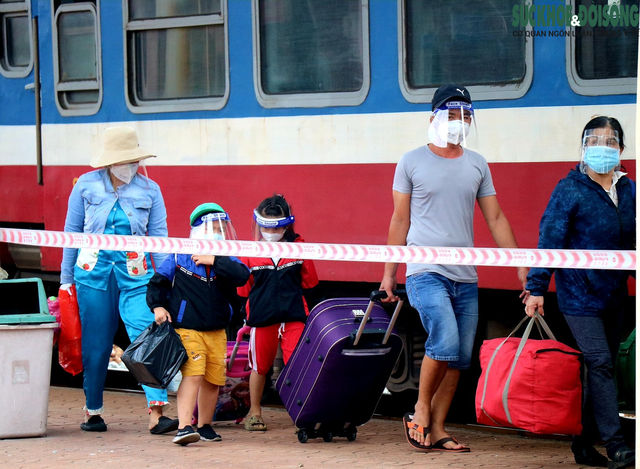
(77, 59)
(16, 59)
(177, 55)
(311, 53)
(604, 59)
(470, 42)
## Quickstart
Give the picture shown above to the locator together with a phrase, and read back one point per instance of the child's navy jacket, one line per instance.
(197, 299)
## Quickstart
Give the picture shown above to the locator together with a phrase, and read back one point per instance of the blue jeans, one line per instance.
(598, 338)
(99, 311)
(449, 313)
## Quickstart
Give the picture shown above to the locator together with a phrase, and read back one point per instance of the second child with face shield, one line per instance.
(280, 293)
(194, 293)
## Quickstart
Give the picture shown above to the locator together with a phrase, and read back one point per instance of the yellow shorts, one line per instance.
(207, 352)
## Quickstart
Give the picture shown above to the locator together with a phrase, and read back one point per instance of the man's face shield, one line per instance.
(452, 123)
(213, 226)
(270, 229)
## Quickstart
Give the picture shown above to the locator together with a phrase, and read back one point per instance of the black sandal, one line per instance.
(164, 425)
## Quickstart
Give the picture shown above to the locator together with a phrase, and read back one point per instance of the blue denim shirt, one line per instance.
(92, 200)
(131, 269)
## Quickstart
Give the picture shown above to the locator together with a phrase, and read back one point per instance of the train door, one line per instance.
(58, 42)
(18, 117)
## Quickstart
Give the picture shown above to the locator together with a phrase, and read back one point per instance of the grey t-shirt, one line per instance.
(443, 195)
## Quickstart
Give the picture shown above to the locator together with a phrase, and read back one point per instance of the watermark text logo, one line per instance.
(612, 14)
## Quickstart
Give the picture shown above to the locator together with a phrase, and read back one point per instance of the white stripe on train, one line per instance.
(505, 135)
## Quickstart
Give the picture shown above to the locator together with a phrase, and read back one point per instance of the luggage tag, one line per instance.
(377, 295)
(358, 315)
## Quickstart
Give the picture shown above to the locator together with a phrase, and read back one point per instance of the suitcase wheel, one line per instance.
(328, 437)
(302, 436)
(351, 434)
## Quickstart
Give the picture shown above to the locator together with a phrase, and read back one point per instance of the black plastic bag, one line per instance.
(156, 356)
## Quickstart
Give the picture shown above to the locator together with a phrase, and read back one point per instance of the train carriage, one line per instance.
(315, 99)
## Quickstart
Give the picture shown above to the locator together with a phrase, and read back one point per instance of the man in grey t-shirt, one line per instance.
(434, 193)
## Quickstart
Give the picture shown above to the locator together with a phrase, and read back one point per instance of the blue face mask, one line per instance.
(601, 159)
(217, 237)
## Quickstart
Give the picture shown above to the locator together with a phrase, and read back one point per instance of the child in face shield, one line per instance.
(280, 293)
(214, 226)
(194, 293)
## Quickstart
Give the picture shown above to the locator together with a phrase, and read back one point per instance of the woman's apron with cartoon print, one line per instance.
(132, 269)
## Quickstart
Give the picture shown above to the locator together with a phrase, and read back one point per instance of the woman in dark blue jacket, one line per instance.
(592, 208)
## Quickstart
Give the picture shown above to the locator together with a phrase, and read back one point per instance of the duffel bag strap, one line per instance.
(507, 384)
(539, 321)
(488, 371)
(505, 392)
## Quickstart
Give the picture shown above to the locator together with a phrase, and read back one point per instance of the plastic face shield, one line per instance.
(603, 137)
(452, 123)
(600, 150)
(214, 227)
(270, 225)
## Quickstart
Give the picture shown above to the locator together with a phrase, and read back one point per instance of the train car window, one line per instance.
(471, 42)
(602, 55)
(16, 60)
(311, 53)
(145, 9)
(177, 55)
(77, 60)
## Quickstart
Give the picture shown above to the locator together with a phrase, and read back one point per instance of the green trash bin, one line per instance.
(626, 374)
(26, 342)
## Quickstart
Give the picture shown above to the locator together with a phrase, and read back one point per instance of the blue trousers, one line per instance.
(598, 338)
(99, 312)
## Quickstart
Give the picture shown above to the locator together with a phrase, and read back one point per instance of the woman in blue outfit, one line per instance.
(592, 208)
(114, 200)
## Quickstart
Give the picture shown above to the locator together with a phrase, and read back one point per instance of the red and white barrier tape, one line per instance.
(573, 259)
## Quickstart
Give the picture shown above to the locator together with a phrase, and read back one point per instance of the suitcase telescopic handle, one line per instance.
(243, 331)
(381, 294)
(378, 295)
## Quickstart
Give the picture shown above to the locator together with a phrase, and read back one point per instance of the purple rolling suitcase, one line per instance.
(338, 371)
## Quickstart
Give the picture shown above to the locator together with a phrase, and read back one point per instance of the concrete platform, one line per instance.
(380, 444)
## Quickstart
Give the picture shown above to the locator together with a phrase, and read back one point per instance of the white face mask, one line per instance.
(272, 237)
(125, 172)
(456, 131)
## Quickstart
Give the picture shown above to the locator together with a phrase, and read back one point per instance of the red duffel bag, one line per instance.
(529, 384)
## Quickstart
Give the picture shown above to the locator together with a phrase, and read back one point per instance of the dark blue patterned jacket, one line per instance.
(197, 297)
(580, 215)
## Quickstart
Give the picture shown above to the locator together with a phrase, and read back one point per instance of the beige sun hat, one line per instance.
(120, 147)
